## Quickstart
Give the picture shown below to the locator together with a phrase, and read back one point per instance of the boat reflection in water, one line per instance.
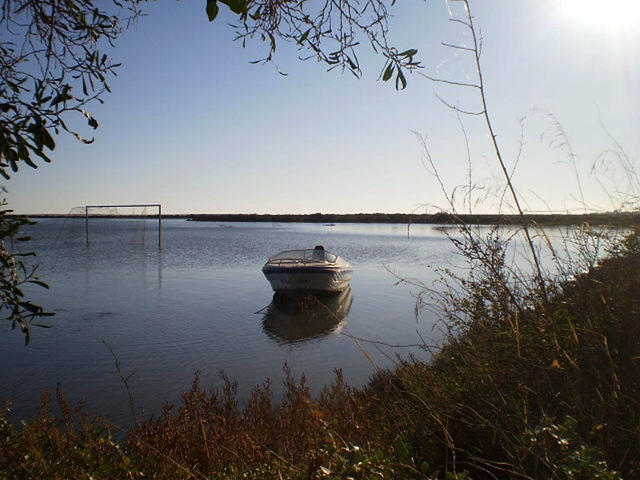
(306, 316)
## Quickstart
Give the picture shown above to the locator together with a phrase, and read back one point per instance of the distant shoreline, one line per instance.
(599, 219)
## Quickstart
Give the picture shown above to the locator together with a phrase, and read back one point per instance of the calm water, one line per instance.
(201, 304)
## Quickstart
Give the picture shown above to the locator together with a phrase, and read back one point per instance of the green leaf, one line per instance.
(212, 9)
(304, 36)
(23, 153)
(401, 80)
(400, 450)
(14, 155)
(237, 6)
(16, 88)
(388, 73)
(30, 307)
(58, 99)
(273, 42)
(29, 162)
(47, 139)
(39, 283)
(41, 154)
(409, 53)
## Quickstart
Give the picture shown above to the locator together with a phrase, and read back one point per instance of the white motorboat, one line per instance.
(310, 270)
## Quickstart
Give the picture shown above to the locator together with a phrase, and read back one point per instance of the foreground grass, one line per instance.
(547, 391)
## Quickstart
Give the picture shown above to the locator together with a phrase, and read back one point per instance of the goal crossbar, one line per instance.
(132, 205)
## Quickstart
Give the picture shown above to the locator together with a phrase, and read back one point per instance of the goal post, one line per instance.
(110, 209)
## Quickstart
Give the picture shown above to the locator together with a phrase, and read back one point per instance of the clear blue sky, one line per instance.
(193, 125)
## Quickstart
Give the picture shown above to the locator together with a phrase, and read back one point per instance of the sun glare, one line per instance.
(611, 15)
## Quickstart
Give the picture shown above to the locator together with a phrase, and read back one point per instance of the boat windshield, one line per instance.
(309, 255)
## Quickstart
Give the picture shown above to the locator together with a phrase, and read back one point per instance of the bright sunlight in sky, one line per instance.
(611, 15)
(191, 124)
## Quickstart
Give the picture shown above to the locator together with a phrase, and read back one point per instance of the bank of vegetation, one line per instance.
(535, 381)
(546, 219)
(605, 219)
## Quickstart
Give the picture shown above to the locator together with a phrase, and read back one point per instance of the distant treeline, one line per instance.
(617, 219)
(596, 219)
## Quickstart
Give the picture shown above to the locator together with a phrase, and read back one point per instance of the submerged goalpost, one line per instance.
(114, 208)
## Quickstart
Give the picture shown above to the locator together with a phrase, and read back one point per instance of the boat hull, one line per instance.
(309, 279)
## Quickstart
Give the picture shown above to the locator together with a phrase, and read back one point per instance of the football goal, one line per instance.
(138, 214)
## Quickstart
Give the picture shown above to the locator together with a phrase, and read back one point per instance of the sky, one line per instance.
(193, 125)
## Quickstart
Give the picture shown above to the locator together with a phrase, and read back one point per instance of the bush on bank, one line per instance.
(547, 391)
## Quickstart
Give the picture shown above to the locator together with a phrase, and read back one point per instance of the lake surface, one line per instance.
(201, 304)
